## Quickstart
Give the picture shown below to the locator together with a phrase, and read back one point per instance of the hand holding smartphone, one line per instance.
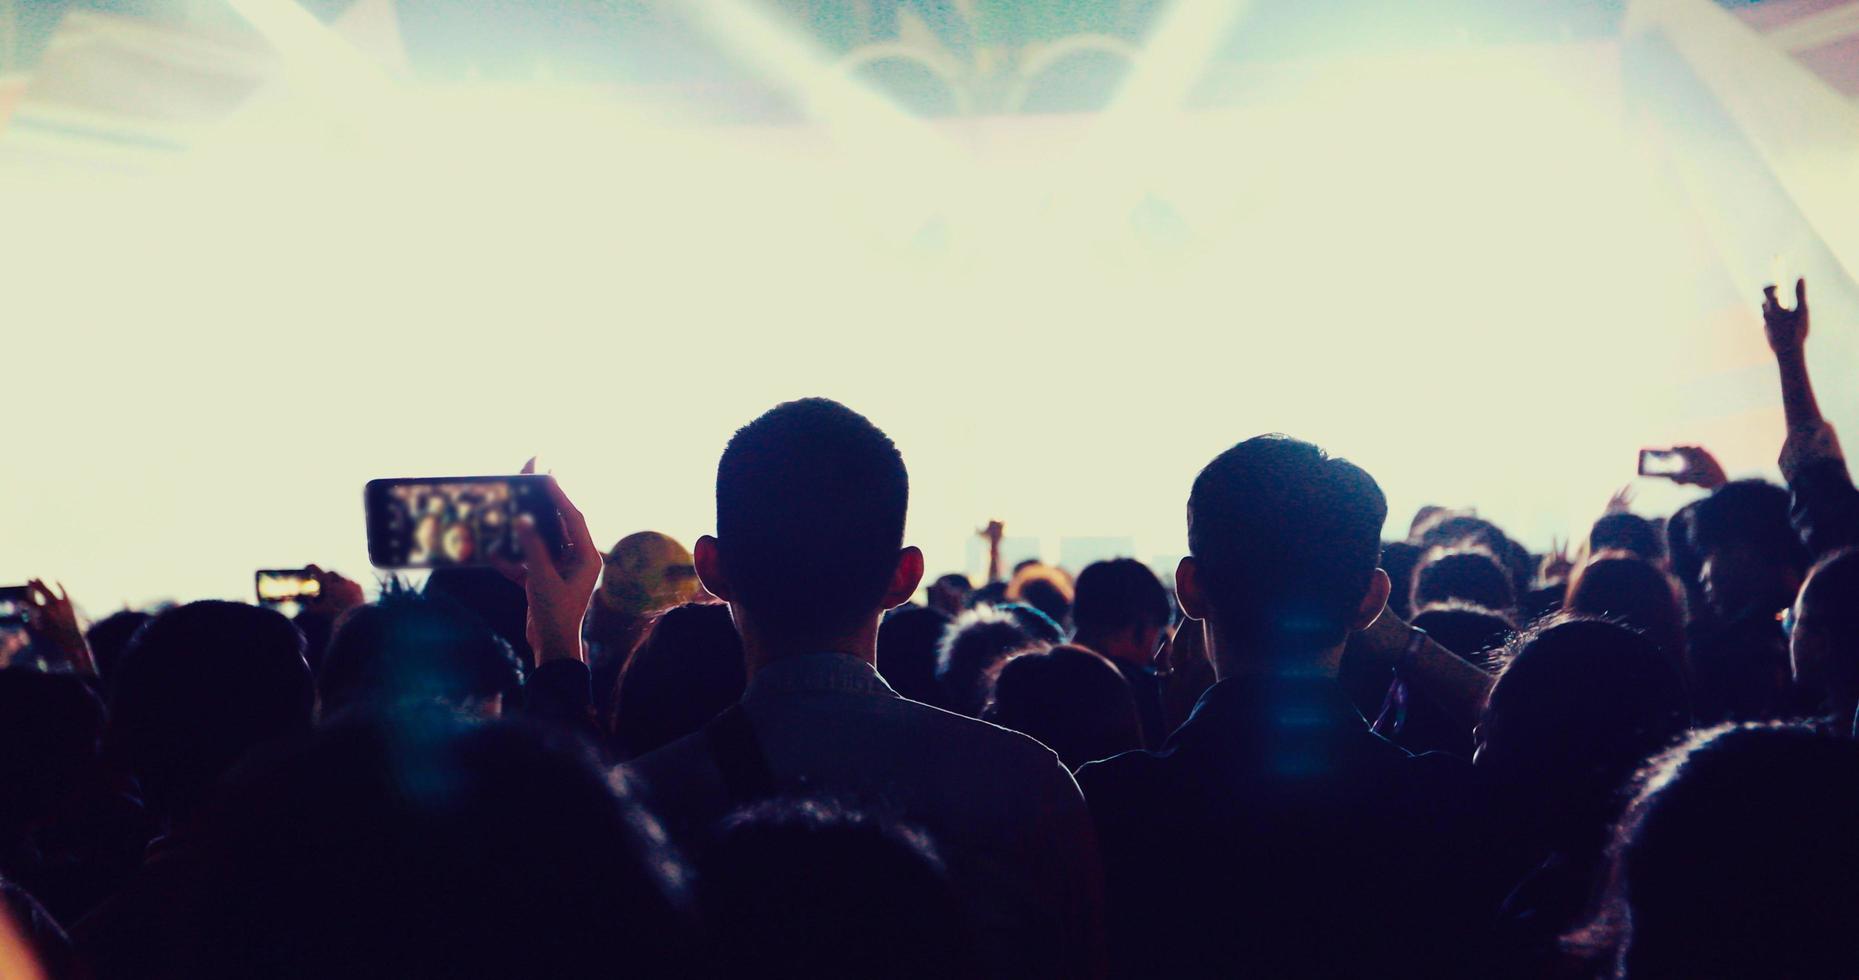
(1667, 463)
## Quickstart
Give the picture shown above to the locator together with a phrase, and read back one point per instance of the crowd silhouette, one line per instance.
(1303, 752)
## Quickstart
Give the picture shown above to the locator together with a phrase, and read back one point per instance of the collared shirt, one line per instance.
(1006, 816)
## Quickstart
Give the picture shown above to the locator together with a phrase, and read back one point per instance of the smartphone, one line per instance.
(15, 604)
(456, 521)
(285, 586)
(1663, 462)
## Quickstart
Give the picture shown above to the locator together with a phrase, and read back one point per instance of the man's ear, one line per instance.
(1373, 601)
(1188, 589)
(906, 578)
(707, 558)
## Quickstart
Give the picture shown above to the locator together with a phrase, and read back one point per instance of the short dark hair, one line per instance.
(907, 645)
(424, 841)
(1285, 537)
(1627, 532)
(1469, 630)
(824, 890)
(1070, 699)
(687, 668)
(1736, 858)
(1117, 594)
(200, 686)
(1752, 514)
(810, 501)
(409, 647)
(1469, 574)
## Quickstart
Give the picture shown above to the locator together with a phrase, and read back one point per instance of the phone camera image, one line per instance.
(286, 586)
(15, 602)
(453, 522)
(1662, 462)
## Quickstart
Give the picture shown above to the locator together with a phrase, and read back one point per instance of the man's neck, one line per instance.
(1262, 661)
(760, 648)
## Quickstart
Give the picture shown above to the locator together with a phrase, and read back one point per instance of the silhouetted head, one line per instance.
(199, 687)
(409, 648)
(1121, 609)
(1456, 530)
(427, 844)
(1468, 630)
(687, 668)
(50, 727)
(1631, 590)
(1070, 699)
(1399, 559)
(810, 525)
(1630, 533)
(1284, 541)
(1751, 561)
(1046, 588)
(810, 889)
(1466, 574)
(1737, 858)
(1824, 643)
(907, 644)
(974, 645)
(949, 594)
(109, 637)
(491, 597)
(1687, 564)
(1579, 705)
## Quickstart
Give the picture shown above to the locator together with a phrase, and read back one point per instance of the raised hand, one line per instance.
(1621, 501)
(558, 589)
(51, 617)
(1701, 468)
(1787, 329)
(335, 594)
(993, 532)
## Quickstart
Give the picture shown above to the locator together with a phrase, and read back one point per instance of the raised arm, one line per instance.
(1825, 507)
(1787, 331)
(993, 533)
(1457, 686)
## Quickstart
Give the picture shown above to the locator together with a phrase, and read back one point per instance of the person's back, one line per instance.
(1274, 834)
(808, 552)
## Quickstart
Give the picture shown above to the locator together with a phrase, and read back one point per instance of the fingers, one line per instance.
(508, 569)
(579, 537)
(536, 558)
(529, 468)
(1800, 294)
(1769, 302)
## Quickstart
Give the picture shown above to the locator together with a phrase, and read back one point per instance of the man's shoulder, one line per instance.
(1003, 745)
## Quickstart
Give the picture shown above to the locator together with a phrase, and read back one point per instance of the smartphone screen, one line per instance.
(1662, 462)
(15, 602)
(455, 521)
(285, 586)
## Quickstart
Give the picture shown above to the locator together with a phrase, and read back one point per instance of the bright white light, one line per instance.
(1404, 259)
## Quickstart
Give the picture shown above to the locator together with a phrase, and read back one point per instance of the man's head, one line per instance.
(1120, 609)
(1627, 532)
(810, 526)
(409, 648)
(199, 687)
(1824, 644)
(1750, 559)
(1283, 543)
(949, 594)
(1466, 574)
